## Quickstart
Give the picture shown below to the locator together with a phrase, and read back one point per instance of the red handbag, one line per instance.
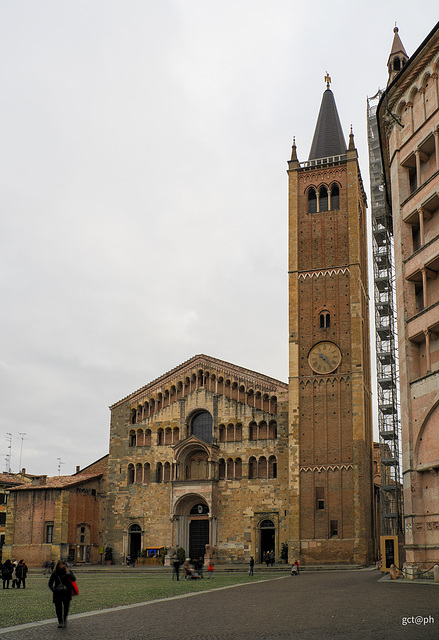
(75, 589)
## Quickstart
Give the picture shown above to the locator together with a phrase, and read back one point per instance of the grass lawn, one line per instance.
(101, 591)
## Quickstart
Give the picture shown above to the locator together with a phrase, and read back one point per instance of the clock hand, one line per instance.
(321, 355)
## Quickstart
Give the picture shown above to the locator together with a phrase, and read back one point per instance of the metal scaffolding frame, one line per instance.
(386, 336)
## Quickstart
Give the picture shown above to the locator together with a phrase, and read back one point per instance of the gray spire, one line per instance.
(328, 136)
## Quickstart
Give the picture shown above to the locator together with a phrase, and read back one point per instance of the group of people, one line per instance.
(269, 559)
(15, 572)
(294, 568)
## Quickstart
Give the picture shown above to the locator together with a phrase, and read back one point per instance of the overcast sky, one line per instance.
(143, 191)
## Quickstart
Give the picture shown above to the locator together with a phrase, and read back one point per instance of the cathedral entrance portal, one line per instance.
(198, 530)
(267, 538)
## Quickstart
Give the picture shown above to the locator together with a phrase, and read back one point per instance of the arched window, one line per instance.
(222, 433)
(201, 426)
(132, 438)
(253, 431)
(133, 416)
(230, 433)
(146, 473)
(147, 437)
(323, 199)
(159, 472)
(252, 468)
(175, 435)
(131, 473)
(325, 320)
(221, 469)
(263, 430)
(238, 432)
(396, 64)
(230, 469)
(335, 197)
(272, 430)
(272, 467)
(160, 437)
(139, 439)
(139, 469)
(238, 469)
(312, 201)
(168, 435)
(167, 472)
(262, 467)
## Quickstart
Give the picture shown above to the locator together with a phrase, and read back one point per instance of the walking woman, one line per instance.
(60, 583)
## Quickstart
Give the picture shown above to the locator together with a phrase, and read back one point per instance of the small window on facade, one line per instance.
(49, 533)
(333, 528)
(3, 518)
(325, 320)
(320, 498)
(335, 197)
(132, 442)
(272, 467)
(323, 199)
(312, 201)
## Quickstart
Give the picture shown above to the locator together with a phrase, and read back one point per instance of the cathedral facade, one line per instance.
(199, 460)
(224, 461)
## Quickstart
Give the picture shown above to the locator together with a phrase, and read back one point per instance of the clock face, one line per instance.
(324, 357)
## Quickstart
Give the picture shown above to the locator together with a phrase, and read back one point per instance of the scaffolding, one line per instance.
(385, 327)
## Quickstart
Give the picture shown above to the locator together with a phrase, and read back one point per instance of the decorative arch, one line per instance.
(427, 443)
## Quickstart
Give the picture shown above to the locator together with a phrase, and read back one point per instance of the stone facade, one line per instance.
(408, 116)
(200, 456)
(60, 517)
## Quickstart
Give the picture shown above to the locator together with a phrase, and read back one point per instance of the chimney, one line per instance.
(78, 468)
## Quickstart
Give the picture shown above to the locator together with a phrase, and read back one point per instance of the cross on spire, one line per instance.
(327, 80)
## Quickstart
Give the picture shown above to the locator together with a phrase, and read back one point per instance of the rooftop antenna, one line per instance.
(22, 435)
(9, 455)
(59, 465)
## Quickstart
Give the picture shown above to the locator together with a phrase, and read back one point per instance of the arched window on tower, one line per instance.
(312, 201)
(325, 320)
(323, 199)
(335, 197)
(397, 64)
(131, 474)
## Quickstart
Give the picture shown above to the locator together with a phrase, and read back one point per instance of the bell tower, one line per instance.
(330, 421)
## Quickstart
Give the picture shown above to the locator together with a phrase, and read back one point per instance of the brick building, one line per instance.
(330, 420)
(408, 117)
(59, 517)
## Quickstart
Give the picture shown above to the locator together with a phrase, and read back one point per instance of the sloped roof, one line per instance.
(328, 137)
(397, 46)
(59, 482)
(202, 360)
(10, 479)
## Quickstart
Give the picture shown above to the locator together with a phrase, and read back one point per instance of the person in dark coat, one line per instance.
(252, 565)
(21, 573)
(60, 583)
(7, 570)
(176, 571)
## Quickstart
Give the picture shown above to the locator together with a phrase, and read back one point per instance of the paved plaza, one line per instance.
(345, 604)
